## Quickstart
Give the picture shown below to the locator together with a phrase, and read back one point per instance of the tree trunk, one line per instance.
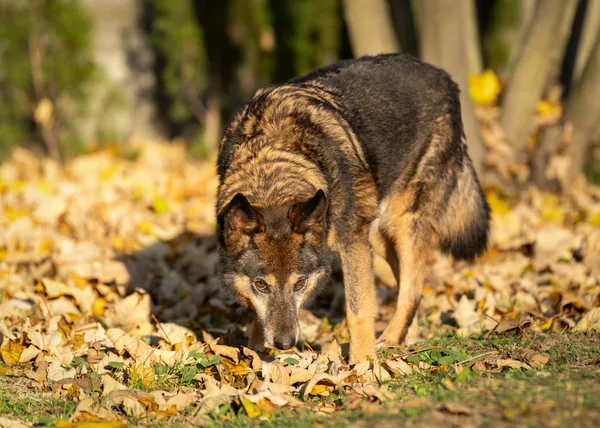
(541, 52)
(472, 39)
(583, 111)
(370, 27)
(123, 106)
(591, 26)
(443, 43)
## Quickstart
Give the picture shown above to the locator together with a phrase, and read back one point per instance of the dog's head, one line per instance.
(273, 259)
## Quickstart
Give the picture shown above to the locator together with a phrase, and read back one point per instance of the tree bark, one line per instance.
(541, 52)
(443, 43)
(583, 111)
(591, 26)
(472, 38)
(517, 35)
(123, 51)
(370, 27)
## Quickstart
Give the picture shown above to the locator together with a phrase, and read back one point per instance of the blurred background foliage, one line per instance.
(77, 75)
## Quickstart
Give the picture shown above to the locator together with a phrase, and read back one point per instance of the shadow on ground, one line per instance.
(179, 274)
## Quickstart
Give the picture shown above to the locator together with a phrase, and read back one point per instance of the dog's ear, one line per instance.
(309, 215)
(241, 217)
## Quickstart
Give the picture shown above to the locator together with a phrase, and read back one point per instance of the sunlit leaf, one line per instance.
(11, 353)
(484, 87)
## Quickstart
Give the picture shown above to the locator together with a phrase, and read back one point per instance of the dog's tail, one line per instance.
(463, 229)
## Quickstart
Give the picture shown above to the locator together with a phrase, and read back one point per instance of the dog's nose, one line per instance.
(284, 342)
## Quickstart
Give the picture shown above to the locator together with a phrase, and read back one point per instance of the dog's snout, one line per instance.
(285, 342)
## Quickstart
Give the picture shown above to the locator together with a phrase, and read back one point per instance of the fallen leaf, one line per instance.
(590, 321)
(513, 364)
(11, 353)
(398, 367)
(457, 409)
(226, 351)
(324, 379)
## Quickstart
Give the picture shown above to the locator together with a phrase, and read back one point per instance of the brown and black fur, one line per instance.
(364, 154)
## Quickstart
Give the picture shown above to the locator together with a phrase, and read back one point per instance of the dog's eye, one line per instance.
(299, 285)
(261, 286)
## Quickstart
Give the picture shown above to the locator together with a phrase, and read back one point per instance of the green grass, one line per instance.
(19, 403)
(565, 392)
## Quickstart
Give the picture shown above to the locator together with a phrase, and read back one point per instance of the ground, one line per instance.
(112, 313)
(564, 392)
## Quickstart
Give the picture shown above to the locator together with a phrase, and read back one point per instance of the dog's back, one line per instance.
(407, 118)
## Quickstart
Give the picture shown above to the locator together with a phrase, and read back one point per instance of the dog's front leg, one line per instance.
(359, 285)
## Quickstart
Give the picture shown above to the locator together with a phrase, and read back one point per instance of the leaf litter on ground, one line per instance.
(109, 296)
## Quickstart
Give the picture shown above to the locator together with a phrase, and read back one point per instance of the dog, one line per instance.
(362, 155)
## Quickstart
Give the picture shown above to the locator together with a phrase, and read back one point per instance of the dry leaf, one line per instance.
(139, 350)
(590, 321)
(513, 364)
(226, 351)
(11, 353)
(457, 409)
(398, 367)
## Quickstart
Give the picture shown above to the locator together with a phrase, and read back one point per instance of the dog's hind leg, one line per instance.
(409, 240)
(385, 248)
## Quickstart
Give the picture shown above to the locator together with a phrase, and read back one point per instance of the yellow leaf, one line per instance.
(251, 409)
(45, 186)
(594, 219)
(45, 245)
(16, 185)
(99, 307)
(107, 174)
(159, 205)
(484, 87)
(320, 389)
(11, 353)
(43, 112)
(139, 372)
(80, 282)
(553, 214)
(3, 253)
(13, 214)
(497, 205)
(239, 369)
(547, 325)
(551, 209)
(547, 108)
(145, 226)
(117, 242)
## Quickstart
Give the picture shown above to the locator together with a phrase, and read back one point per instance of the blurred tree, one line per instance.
(538, 58)
(122, 103)
(405, 26)
(583, 111)
(443, 43)
(507, 22)
(472, 39)
(182, 61)
(591, 27)
(307, 35)
(370, 27)
(251, 30)
(47, 68)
